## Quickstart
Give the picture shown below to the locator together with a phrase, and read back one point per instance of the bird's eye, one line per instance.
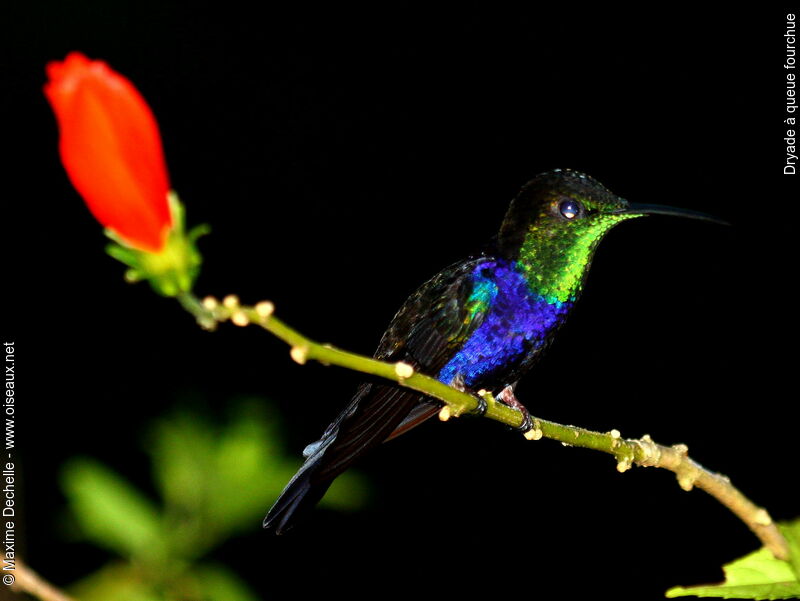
(569, 209)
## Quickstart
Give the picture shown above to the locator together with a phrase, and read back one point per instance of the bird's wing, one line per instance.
(426, 332)
(430, 327)
(433, 324)
(437, 319)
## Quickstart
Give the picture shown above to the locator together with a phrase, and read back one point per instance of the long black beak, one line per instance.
(642, 209)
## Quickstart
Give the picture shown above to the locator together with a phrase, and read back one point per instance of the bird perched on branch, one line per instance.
(481, 323)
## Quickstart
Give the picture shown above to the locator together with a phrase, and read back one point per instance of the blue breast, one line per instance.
(517, 322)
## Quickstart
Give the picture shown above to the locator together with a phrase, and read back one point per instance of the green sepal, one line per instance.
(173, 270)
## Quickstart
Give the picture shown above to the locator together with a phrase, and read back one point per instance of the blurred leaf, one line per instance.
(250, 471)
(115, 582)
(755, 576)
(215, 480)
(218, 583)
(181, 449)
(348, 492)
(111, 512)
(223, 480)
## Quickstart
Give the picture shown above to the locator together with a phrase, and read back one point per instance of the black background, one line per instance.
(344, 156)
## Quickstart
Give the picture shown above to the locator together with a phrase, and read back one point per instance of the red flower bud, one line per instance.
(111, 149)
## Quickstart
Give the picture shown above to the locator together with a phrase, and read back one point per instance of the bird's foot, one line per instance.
(482, 407)
(507, 397)
(458, 384)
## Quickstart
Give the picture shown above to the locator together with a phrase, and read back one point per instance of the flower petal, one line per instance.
(111, 149)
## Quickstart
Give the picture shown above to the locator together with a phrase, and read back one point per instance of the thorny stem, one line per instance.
(627, 451)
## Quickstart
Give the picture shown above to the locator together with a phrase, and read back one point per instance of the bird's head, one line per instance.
(555, 223)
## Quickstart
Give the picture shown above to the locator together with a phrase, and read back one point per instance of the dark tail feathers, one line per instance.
(376, 413)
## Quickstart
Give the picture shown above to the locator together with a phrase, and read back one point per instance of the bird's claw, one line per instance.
(483, 406)
(507, 397)
(527, 422)
(480, 410)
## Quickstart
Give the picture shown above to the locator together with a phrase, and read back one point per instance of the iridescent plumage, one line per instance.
(515, 322)
(479, 324)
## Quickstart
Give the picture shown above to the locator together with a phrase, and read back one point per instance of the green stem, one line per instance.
(190, 302)
(642, 451)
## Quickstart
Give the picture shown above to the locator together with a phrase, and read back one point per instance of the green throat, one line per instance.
(555, 261)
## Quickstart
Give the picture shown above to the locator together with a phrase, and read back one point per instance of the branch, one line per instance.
(630, 451)
(25, 580)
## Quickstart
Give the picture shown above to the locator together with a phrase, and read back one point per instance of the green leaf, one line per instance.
(117, 582)
(111, 512)
(251, 471)
(347, 493)
(218, 583)
(791, 532)
(218, 480)
(755, 576)
(182, 450)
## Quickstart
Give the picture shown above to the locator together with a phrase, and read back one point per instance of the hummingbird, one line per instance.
(480, 324)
